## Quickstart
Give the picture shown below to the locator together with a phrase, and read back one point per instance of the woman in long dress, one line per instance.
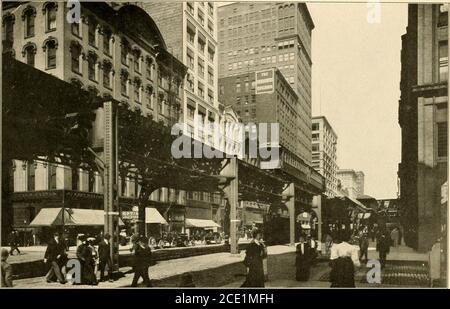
(343, 259)
(254, 256)
(303, 260)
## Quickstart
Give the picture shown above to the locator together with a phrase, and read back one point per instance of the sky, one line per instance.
(355, 84)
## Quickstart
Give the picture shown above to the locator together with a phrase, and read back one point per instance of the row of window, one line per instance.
(201, 42)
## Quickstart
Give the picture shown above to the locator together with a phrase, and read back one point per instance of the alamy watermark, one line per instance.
(226, 140)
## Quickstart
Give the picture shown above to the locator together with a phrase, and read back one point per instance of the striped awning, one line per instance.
(70, 217)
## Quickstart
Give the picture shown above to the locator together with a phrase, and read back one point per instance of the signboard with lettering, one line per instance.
(264, 82)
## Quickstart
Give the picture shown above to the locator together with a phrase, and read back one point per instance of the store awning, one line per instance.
(70, 217)
(153, 216)
(201, 223)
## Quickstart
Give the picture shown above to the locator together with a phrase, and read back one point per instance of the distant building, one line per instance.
(350, 181)
(423, 118)
(324, 140)
(259, 36)
(360, 183)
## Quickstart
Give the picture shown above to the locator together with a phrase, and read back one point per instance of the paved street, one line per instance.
(405, 269)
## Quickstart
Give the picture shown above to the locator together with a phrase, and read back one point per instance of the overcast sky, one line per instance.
(356, 76)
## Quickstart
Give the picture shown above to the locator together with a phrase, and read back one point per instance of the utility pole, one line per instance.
(111, 197)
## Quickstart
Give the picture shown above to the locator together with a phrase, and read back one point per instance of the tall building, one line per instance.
(324, 154)
(190, 32)
(117, 51)
(264, 97)
(350, 181)
(259, 36)
(423, 118)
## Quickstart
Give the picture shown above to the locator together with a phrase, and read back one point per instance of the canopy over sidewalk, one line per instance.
(201, 223)
(153, 216)
(69, 217)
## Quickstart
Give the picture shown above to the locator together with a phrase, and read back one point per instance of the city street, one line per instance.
(404, 269)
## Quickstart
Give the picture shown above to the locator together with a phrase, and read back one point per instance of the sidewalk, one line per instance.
(210, 270)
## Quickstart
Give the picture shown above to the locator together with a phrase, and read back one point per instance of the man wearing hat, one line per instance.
(142, 261)
(55, 255)
(7, 281)
(104, 248)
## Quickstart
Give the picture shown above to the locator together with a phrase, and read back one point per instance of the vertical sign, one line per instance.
(110, 181)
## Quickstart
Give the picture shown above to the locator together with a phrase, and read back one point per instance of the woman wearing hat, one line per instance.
(254, 256)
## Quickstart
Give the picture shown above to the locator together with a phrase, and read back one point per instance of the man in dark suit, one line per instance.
(55, 255)
(104, 257)
(142, 261)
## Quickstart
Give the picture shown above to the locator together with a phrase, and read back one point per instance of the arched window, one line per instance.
(124, 82)
(107, 74)
(137, 59)
(149, 96)
(137, 90)
(92, 31)
(107, 40)
(92, 66)
(28, 16)
(76, 56)
(49, 9)
(124, 50)
(29, 52)
(50, 45)
(8, 28)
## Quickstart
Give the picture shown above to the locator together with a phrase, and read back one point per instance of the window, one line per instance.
(201, 18)
(210, 27)
(125, 47)
(201, 90)
(210, 96)
(191, 110)
(91, 182)
(191, 33)
(190, 58)
(149, 96)
(211, 52)
(315, 126)
(137, 90)
(190, 82)
(315, 137)
(29, 52)
(201, 67)
(137, 60)
(50, 46)
(210, 75)
(92, 64)
(92, 32)
(107, 71)
(442, 139)
(31, 176)
(443, 16)
(149, 68)
(76, 29)
(124, 83)
(201, 44)
(51, 177)
(190, 7)
(210, 8)
(50, 15)
(75, 50)
(29, 15)
(8, 28)
(443, 61)
(107, 41)
(315, 147)
(238, 88)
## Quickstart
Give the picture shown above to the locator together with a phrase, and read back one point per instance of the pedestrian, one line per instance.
(7, 281)
(14, 242)
(303, 260)
(363, 246)
(395, 236)
(254, 256)
(142, 261)
(104, 256)
(85, 256)
(343, 259)
(56, 256)
(383, 247)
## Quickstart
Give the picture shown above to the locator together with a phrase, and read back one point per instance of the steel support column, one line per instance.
(289, 198)
(230, 171)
